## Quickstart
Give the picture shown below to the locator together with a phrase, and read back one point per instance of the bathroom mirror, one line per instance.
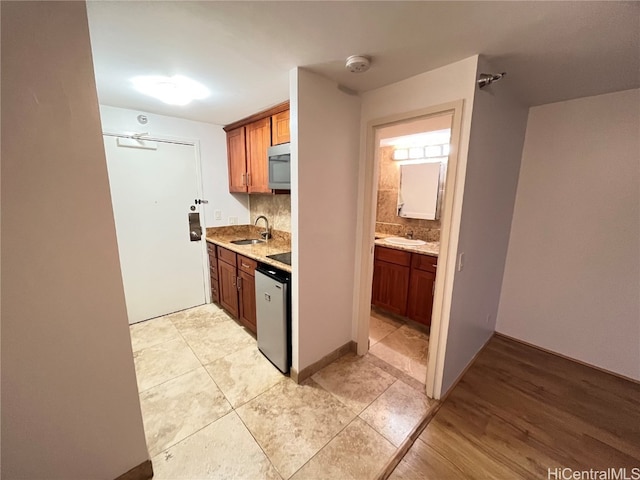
(412, 169)
(420, 190)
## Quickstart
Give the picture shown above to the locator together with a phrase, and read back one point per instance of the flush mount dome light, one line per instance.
(176, 90)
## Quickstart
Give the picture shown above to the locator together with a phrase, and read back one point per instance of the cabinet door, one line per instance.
(227, 286)
(247, 297)
(237, 160)
(258, 141)
(280, 128)
(420, 301)
(390, 286)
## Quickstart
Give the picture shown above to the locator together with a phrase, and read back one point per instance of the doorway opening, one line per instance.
(412, 167)
(410, 174)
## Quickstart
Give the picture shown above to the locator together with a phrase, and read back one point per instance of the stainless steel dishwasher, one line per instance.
(273, 315)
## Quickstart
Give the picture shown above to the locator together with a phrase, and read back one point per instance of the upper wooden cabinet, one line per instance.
(280, 128)
(247, 143)
(258, 140)
(237, 160)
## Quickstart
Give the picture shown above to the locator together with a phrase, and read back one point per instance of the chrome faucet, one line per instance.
(267, 233)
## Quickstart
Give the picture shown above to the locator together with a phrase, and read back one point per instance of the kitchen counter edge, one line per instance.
(250, 251)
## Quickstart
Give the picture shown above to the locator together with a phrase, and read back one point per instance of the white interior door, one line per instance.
(153, 186)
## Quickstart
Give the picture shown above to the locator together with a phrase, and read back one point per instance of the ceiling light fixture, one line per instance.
(176, 90)
(358, 63)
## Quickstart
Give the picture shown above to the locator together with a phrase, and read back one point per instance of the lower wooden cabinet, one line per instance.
(247, 300)
(237, 286)
(420, 299)
(403, 283)
(247, 292)
(421, 286)
(228, 287)
(390, 287)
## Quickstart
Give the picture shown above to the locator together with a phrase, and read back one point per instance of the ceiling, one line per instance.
(243, 51)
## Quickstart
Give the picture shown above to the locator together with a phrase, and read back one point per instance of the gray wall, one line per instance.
(495, 147)
(572, 278)
(325, 126)
(70, 406)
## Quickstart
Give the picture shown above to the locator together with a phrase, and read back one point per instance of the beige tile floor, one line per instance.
(215, 408)
(403, 345)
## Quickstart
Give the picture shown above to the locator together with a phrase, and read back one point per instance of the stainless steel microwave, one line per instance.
(280, 167)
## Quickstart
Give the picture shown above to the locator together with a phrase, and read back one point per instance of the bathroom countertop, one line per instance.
(279, 243)
(430, 248)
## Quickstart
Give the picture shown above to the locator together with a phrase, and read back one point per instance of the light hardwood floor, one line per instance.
(519, 411)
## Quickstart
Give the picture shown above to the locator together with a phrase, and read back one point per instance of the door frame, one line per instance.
(194, 142)
(447, 256)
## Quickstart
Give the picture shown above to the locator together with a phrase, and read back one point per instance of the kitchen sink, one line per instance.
(407, 242)
(247, 241)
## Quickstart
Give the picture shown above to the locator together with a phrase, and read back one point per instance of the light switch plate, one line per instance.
(233, 220)
(218, 214)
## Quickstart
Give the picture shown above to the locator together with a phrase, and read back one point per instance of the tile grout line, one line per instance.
(408, 442)
(192, 434)
(233, 410)
(357, 416)
(373, 427)
(256, 440)
(214, 382)
(326, 444)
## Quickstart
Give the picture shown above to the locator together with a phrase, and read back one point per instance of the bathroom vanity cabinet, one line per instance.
(403, 283)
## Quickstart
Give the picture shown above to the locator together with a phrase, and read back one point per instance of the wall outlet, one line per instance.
(233, 220)
(460, 261)
(218, 214)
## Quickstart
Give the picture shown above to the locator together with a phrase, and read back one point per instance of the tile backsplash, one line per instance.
(277, 209)
(387, 220)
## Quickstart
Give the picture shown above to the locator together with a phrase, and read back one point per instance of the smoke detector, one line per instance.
(358, 64)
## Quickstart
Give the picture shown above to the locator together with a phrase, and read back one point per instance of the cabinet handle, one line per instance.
(244, 265)
(434, 266)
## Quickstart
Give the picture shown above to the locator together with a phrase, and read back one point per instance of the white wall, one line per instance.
(212, 142)
(70, 407)
(572, 275)
(498, 127)
(325, 125)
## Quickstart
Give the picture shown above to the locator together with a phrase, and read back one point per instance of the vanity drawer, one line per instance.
(227, 256)
(424, 262)
(247, 265)
(392, 256)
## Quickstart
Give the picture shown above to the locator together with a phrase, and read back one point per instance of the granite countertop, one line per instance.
(430, 248)
(279, 243)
